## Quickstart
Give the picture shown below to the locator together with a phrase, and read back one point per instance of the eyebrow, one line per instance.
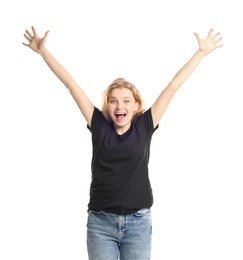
(123, 97)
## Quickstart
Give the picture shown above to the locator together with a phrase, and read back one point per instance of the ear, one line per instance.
(136, 107)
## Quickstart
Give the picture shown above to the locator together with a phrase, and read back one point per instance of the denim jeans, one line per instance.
(124, 237)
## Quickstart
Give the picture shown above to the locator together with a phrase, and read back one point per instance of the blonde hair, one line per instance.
(122, 83)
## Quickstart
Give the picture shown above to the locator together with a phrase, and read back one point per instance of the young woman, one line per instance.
(119, 220)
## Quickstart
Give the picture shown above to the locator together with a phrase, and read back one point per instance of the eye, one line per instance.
(112, 101)
(126, 101)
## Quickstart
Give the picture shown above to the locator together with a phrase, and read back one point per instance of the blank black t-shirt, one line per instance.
(120, 181)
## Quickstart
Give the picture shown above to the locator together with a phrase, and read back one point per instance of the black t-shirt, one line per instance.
(120, 182)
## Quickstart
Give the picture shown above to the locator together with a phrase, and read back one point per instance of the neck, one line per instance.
(122, 129)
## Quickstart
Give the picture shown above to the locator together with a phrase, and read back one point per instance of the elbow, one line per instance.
(70, 85)
(173, 88)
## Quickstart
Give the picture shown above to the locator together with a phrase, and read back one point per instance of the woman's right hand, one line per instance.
(36, 43)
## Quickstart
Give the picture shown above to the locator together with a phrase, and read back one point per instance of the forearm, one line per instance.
(183, 74)
(58, 69)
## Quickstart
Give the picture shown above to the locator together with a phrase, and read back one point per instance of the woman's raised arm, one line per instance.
(37, 44)
(206, 46)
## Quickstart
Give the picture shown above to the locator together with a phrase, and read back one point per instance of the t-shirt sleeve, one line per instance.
(146, 120)
(97, 121)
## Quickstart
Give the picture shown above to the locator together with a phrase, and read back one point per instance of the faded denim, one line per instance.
(124, 237)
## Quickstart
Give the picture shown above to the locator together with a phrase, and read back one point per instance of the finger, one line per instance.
(210, 33)
(218, 40)
(25, 44)
(197, 36)
(34, 31)
(46, 34)
(45, 37)
(29, 34)
(215, 36)
(217, 43)
(27, 37)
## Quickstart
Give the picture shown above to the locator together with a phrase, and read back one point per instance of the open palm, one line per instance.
(210, 43)
(36, 43)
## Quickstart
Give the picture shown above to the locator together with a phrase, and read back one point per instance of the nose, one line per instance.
(118, 105)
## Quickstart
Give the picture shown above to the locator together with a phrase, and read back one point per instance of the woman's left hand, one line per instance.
(210, 43)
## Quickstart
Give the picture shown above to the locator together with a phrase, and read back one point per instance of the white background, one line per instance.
(196, 155)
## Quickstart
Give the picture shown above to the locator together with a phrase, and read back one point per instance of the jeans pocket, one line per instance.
(95, 212)
(142, 212)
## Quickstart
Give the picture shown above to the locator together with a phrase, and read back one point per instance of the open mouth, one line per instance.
(120, 115)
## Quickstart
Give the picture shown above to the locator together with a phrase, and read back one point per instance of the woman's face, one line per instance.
(121, 107)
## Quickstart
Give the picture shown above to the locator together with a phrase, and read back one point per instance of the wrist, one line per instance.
(201, 53)
(43, 53)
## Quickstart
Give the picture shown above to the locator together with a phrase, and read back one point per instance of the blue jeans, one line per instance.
(110, 236)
